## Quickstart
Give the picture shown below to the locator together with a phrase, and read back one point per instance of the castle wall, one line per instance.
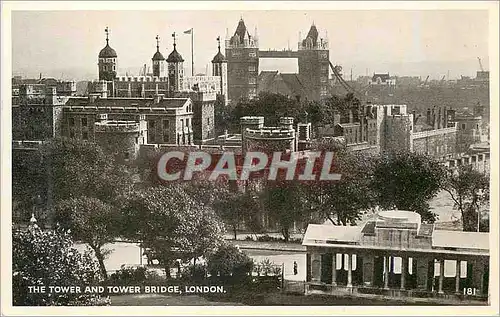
(436, 143)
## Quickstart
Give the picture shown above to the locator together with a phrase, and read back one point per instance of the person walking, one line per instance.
(295, 268)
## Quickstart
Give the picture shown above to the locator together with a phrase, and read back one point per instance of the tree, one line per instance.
(342, 202)
(171, 223)
(238, 207)
(470, 190)
(284, 201)
(47, 258)
(229, 261)
(92, 221)
(407, 181)
(78, 167)
(85, 184)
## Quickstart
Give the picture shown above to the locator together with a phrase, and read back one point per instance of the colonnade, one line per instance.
(417, 272)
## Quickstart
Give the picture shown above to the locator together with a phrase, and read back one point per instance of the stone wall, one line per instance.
(435, 143)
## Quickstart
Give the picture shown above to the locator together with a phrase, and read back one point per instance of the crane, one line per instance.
(480, 64)
(426, 79)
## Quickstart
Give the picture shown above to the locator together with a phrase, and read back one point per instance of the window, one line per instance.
(182, 124)
(208, 120)
(236, 53)
(251, 68)
(323, 79)
(252, 80)
(85, 135)
(126, 155)
(252, 54)
(187, 122)
(71, 122)
(166, 124)
(463, 126)
(72, 134)
(84, 122)
(152, 124)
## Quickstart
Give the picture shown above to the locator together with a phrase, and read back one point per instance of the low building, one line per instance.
(396, 255)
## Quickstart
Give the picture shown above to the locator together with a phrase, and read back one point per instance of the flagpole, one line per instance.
(192, 52)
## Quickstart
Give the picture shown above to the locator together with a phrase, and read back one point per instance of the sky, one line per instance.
(65, 44)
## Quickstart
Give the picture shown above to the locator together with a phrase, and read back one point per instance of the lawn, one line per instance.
(265, 299)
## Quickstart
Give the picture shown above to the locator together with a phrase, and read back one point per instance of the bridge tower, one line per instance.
(242, 54)
(313, 59)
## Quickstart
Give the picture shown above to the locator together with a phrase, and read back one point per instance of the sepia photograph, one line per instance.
(292, 157)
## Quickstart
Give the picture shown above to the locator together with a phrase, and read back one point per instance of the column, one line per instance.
(316, 267)
(441, 276)
(457, 277)
(334, 269)
(404, 269)
(386, 271)
(349, 270)
(368, 270)
(477, 276)
(422, 270)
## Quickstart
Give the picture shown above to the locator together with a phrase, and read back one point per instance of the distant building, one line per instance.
(242, 53)
(382, 79)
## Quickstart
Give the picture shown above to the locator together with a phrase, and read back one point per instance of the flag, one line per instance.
(188, 31)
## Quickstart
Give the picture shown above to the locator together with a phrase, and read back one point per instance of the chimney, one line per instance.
(428, 121)
(434, 118)
(440, 118)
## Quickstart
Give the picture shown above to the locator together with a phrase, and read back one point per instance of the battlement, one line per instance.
(429, 133)
(117, 126)
(141, 79)
(252, 120)
(286, 120)
(274, 133)
(246, 44)
(321, 45)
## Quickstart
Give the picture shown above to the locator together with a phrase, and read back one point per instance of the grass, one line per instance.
(164, 300)
(264, 299)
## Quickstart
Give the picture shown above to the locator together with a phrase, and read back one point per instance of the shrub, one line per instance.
(229, 261)
(47, 258)
(138, 275)
(194, 272)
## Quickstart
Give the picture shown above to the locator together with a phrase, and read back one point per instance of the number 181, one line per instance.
(470, 291)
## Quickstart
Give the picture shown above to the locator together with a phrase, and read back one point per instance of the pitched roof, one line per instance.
(266, 78)
(293, 82)
(383, 77)
(312, 35)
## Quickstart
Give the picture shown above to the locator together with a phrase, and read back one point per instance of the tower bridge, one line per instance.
(278, 54)
(243, 54)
